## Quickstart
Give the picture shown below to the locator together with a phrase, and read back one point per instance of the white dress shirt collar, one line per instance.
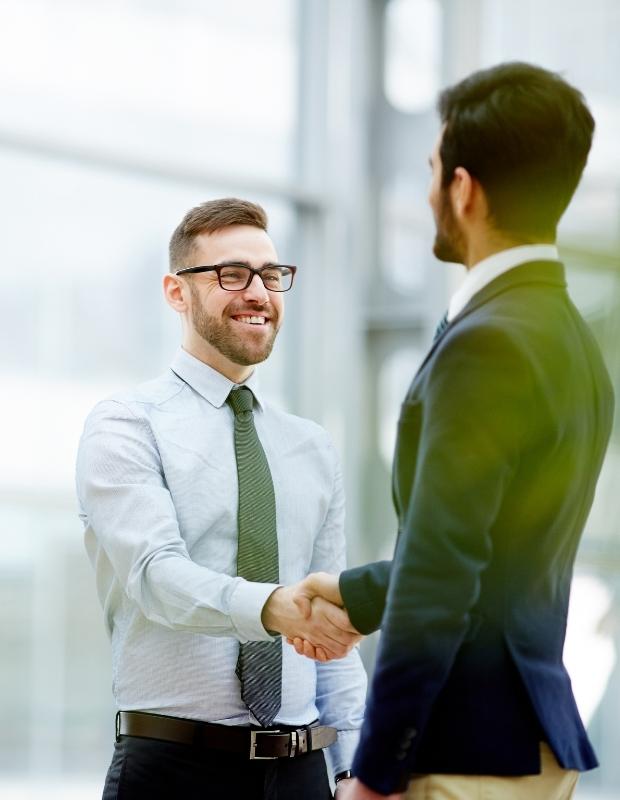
(208, 382)
(492, 267)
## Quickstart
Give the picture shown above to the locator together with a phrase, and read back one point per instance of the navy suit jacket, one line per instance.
(500, 442)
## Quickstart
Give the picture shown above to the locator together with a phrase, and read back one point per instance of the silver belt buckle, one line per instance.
(302, 742)
(253, 742)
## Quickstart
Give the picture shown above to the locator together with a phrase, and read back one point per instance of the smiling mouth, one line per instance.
(251, 320)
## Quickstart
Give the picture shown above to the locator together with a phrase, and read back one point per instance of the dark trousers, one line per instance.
(148, 769)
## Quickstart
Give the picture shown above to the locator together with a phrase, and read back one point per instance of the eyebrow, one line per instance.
(241, 263)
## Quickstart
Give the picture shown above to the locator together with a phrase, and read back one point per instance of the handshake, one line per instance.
(311, 616)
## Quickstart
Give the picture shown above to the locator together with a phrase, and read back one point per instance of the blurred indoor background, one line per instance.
(116, 116)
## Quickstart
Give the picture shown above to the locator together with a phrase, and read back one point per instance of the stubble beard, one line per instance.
(220, 334)
(449, 243)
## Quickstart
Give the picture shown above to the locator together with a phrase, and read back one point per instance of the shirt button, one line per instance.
(408, 736)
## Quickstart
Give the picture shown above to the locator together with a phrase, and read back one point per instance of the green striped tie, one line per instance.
(259, 665)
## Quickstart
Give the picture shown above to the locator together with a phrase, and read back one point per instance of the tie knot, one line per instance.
(241, 400)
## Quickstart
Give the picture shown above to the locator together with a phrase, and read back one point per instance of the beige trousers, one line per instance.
(554, 783)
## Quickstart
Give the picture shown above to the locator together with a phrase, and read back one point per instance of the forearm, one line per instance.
(171, 590)
(135, 540)
(181, 594)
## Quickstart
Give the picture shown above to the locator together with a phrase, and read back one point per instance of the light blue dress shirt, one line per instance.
(157, 488)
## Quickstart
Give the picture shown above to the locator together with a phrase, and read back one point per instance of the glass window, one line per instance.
(406, 236)
(202, 86)
(550, 34)
(412, 54)
(590, 651)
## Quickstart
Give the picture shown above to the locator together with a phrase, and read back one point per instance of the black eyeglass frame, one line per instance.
(252, 272)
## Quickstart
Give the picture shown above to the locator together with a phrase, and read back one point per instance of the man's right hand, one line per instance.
(298, 613)
(318, 584)
(315, 589)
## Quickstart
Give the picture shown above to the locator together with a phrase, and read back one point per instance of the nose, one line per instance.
(256, 291)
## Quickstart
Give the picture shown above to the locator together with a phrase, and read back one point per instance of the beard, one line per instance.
(220, 333)
(449, 243)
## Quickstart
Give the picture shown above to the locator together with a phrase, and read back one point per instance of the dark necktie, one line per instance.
(259, 665)
(443, 324)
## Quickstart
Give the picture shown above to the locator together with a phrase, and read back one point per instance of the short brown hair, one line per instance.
(524, 133)
(210, 217)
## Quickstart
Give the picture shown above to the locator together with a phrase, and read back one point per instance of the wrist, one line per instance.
(342, 776)
(272, 611)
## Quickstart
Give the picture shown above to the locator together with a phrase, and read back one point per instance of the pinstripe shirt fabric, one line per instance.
(158, 495)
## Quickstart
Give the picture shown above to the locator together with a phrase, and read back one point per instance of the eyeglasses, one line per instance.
(235, 277)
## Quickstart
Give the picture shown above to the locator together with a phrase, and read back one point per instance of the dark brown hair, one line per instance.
(524, 133)
(210, 217)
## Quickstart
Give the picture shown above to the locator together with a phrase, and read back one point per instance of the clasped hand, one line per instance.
(310, 615)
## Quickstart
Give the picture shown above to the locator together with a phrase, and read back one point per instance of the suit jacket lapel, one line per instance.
(550, 273)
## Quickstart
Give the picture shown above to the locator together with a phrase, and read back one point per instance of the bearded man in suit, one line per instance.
(500, 442)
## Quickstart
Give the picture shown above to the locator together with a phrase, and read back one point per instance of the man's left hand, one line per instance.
(353, 789)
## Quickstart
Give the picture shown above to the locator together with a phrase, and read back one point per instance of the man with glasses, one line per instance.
(202, 507)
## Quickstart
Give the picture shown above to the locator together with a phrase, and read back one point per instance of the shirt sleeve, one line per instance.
(123, 493)
(341, 683)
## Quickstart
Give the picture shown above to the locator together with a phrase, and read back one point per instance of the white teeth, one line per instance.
(252, 320)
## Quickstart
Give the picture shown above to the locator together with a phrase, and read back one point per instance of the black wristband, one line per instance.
(341, 776)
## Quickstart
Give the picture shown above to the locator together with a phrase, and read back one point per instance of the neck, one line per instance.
(203, 351)
(479, 248)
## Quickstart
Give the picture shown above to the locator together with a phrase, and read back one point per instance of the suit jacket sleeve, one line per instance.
(363, 591)
(461, 427)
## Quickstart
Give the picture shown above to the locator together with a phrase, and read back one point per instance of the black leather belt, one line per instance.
(254, 743)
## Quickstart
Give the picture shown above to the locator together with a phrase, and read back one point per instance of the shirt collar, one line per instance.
(208, 382)
(495, 265)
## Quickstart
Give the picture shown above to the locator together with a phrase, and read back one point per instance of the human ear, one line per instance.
(462, 191)
(174, 292)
